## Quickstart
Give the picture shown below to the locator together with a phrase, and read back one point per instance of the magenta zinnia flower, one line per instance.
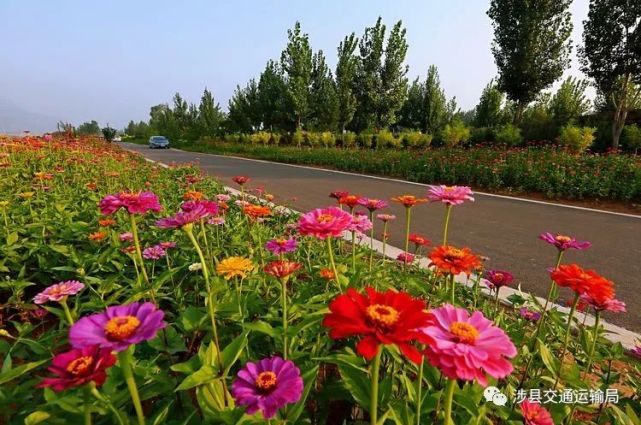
(360, 223)
(58, 291)
(338, 194)
(609, 304)
(118, 327)
(372, 204)
(183, 218)
(281, 246)
(532, 316)
(78, 367)
(535, 414)
(267, 385)
(497, 278)
(324, 222)
(211, 207)
(405, 258)
(563, 243)
(155, 252)
(636, 351)
(467, 347)
(133, 202)
(450, 195)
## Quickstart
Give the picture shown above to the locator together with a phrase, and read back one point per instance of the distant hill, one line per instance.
(14, 119)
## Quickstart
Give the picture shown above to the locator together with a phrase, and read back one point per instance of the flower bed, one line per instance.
(138, 294)
(548, 171)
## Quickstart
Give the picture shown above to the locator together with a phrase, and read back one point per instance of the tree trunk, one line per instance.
(518, 115)
(620, 115)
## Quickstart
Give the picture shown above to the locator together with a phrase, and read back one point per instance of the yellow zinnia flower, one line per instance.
(234, 266)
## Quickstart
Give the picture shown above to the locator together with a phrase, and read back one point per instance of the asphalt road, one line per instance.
(505, 230)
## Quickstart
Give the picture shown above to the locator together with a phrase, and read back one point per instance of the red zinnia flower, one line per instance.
(78, 367)
(281, 268)
(352, 201)
(583, 281)
(241, 180)
(448, 259)
(379, 318)
(419, 240)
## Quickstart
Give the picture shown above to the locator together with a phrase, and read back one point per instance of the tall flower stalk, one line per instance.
(124, 357)
(374, 372)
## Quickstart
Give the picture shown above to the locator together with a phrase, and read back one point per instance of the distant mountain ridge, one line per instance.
(14, 119)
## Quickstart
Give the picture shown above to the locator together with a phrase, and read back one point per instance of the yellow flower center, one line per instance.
(563, 238)
(266, 381)
(449, 188)
(498, 276)
(464, 332)
(325, 218)
(382, 315)
(120, 328)
(281, 242)
(80, 366)
(454, 254)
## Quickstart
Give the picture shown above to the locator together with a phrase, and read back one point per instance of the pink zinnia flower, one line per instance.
(386, 217)
(183, 218)
(167, 245)
(281, 246)
(118, 327)
(610, 304)
(324, 222)
(535, 414)
(467, 347)
(372, 204)
(360, 223)
(155, 252)
(216, 221)
(211, 207)
(405, 258)
(133, 202)
(126, 237)
(223, 197)
(532, 316)
(563, 243)
(636, 351)
(78, 367)
(267, 386)
(450, 195)
(58, 291)
(497, 278)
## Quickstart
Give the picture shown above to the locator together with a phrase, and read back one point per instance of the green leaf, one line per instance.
(19, 371)
(358, 384)
(12, 238)
(193, 318)
(36, 418)
(262, 327)
(168, 340)
(547, 357)
(232, 352)
(204, 375)
(308, 378)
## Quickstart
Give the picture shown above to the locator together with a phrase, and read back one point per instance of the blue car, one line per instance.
(160, 142)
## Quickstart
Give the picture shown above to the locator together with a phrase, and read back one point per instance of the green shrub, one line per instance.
(313, 138)
(410, 139)
(632, 137)
(327, 139)
(576, 139)
(386, 139)
(508, 134)
(364, 140)
(455, 132)
(298, 138)
(425, 140)
(349, 139)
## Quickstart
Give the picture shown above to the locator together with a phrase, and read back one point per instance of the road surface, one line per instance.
(505, 230)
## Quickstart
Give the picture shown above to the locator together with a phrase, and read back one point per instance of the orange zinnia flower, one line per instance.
(448, 259)
(193, 195)
(350, 200)
(257, 211)
(409, 200)
(584, 282)
(97, 236)
(327, 274)
(106, 222)
(91, 186)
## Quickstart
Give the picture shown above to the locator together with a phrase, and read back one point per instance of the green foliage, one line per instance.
(345, 80)
(298, 138)
(327, 139)
(88, 128)
(570, 101)
(210, 116)
(508, 134)
(296, 62)
(386, 139)
(349, 139)
(632, 137)
(488, 113)
(454, 133)
(415, 139)
(273, 105)
(109, 133)
(577, 139)
(323, 99)
(434, 103)
(531, 46)
(244, 111)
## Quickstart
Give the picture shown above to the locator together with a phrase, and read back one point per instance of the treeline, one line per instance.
(368, 91)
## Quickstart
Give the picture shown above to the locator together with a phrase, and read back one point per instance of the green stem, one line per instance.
(453, 284)
(419, 391)
(449, 396)
(559, 256)
(496, 306)
(125, 364)
(353, 251)
(134, 232)
(566, 340)
(374, 371)
(87, 405)
(597, 316)
(371, 240)
(284, 306)
(384, 240)
(333, 264)
(448, 210)
(408, 216)
(65, 308)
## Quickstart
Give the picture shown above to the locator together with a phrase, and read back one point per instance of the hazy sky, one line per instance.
(110, 61)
